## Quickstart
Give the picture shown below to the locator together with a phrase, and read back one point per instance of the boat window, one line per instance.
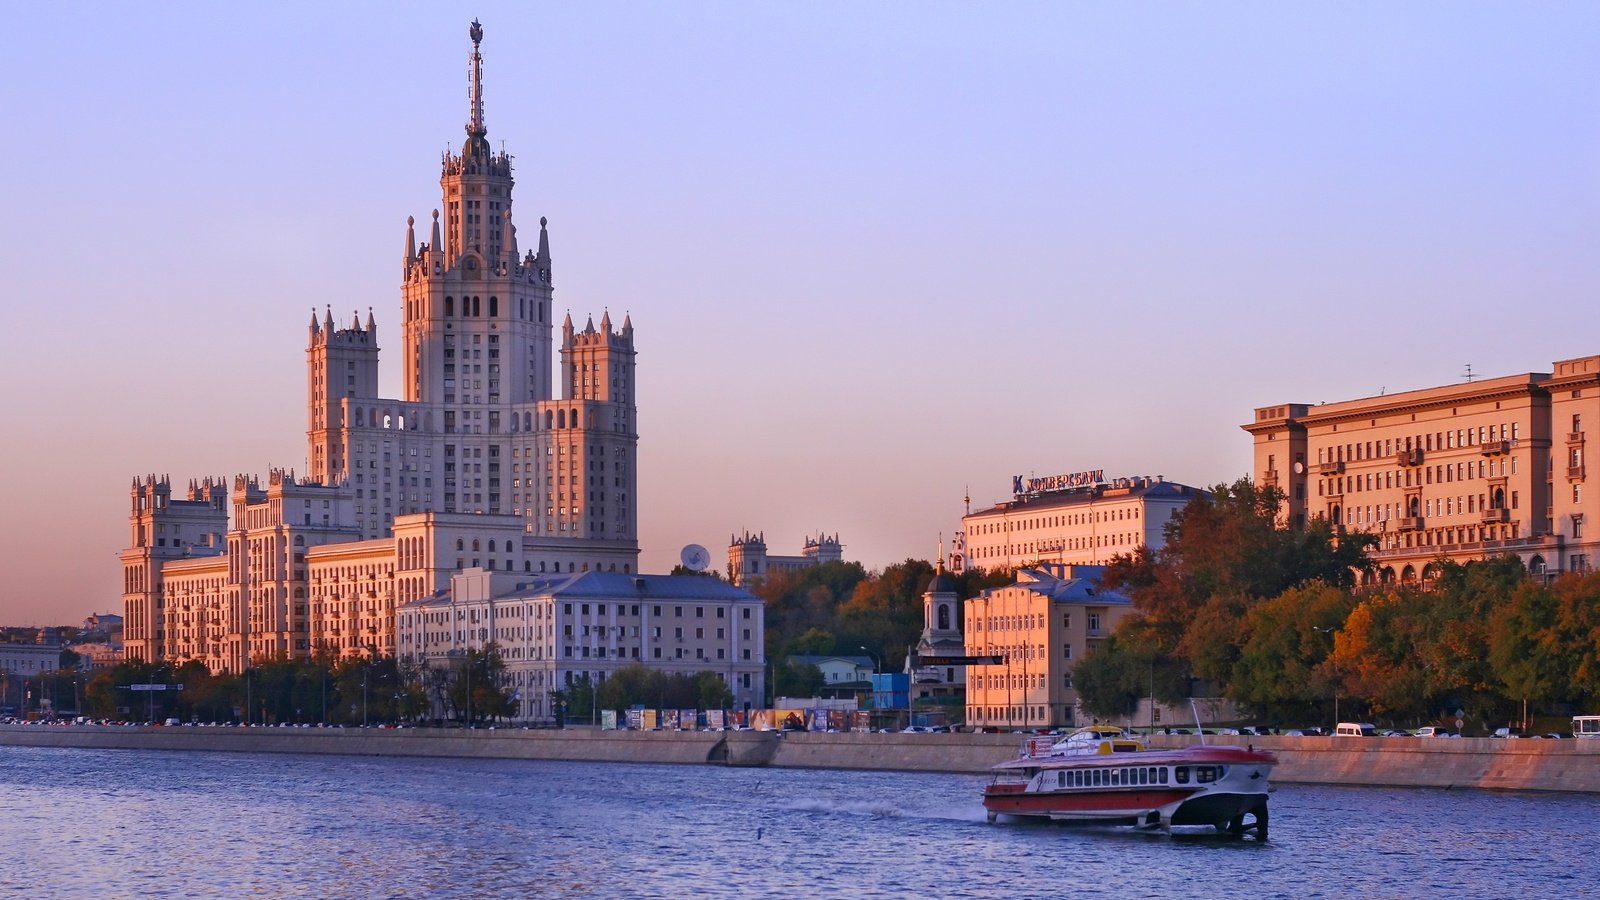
(1162, 774)
(1181, 774)
(1061, 779)
(1097, 778)
(1204, 774)
(1077, 778)
(1144, 776)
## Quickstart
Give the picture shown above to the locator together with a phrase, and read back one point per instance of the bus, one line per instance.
(1586, 726)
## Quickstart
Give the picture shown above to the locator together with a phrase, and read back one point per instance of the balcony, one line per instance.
(1575, 473)
(1574, 437)
(1331, 468)
(1269, 478)
(1409, 457)
(1411, 523)
(1493, 516)
(1495, 448)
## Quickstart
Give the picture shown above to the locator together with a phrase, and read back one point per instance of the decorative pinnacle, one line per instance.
(475, 126)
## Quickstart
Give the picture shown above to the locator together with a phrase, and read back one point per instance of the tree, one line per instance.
(714, 693)
(1287, 638)
(797, 679)
(1225, 552)
(681, 569)
(815, 642)
(1110, 681)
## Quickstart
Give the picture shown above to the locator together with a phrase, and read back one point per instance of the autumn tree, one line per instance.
(1223, 554)
(1278, 676)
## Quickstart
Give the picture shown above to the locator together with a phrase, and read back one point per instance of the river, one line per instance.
(81, 823)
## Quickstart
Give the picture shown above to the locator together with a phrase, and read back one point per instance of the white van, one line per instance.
(1356, 729)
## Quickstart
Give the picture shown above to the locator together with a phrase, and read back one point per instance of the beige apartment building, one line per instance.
(1040, 626)
(1459, 472)
(1076, 519)
(480, 463)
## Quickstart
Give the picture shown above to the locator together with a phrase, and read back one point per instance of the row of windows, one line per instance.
(1442, 474)
(1116, 515)
(1438, 440)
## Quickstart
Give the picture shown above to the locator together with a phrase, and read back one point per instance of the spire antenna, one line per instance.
(475, 126)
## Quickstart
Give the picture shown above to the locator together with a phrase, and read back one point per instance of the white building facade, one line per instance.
(552, 631)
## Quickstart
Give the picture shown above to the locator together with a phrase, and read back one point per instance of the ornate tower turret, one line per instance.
(466, 291)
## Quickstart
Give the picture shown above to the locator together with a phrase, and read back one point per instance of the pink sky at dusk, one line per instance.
(874, 253)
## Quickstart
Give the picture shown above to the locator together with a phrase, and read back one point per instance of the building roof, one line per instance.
(1063, 583)
(858, 661)
(1137, 488)
(615, 586)
(612, 585)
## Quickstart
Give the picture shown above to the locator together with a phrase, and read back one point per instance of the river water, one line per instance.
(81, 823)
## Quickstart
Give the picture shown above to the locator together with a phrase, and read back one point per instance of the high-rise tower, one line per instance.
(480, 428)
(478, 465)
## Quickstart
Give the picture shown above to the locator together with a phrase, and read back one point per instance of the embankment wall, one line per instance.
(1531, 765)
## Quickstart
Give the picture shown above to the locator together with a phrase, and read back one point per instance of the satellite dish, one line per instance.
(1299, 468)
(695, 558)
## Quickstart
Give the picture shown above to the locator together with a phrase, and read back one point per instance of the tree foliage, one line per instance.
(1224, 554)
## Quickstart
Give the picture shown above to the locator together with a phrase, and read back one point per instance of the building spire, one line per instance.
(475, 126)
(411, 243)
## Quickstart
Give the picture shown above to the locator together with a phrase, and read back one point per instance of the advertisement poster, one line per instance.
(688, 719)
(761, 719)
(861, 720)
(839, 719)
(649, 720)
(669, 719)
(608, 720)
(715, 720)
(635, 718)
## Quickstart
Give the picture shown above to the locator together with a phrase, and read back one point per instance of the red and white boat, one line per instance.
(1101, 776)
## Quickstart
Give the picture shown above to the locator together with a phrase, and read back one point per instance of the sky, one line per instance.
(877, 255)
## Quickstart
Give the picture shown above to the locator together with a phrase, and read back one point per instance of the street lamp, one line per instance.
(875, 669)
(1330, 631)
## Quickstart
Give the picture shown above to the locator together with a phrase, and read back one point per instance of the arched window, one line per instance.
(494, 307)
(449, 306)
(475, 543)
(561, 419)
(460, 545)
(944, 617)
(491, 547)
(548, 419)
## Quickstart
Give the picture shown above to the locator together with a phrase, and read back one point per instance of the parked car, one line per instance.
(1395, 732)
(1506, 733)
(1431, 731)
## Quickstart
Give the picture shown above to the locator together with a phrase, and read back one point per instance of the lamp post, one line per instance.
(875, 669)
(1330, 631)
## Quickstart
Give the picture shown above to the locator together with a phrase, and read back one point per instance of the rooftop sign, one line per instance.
(1020, 485)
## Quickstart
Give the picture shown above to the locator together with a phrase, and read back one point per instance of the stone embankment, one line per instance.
(1530, 765)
